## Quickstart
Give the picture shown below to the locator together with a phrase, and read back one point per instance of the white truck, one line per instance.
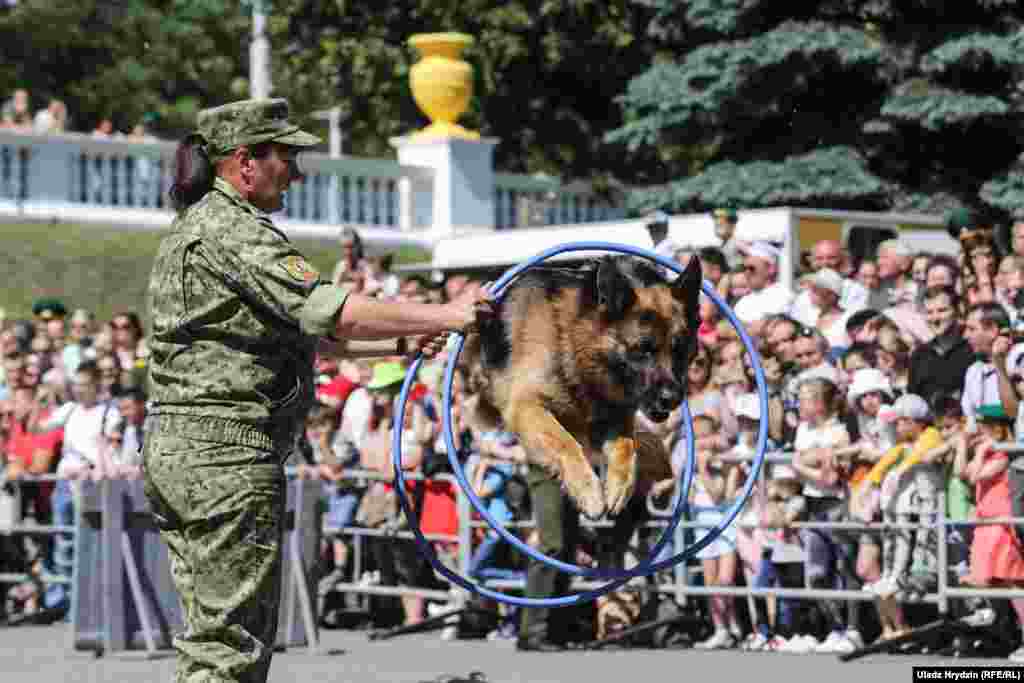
(796, 229)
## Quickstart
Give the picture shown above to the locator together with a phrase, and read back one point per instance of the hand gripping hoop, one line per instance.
(614, 578)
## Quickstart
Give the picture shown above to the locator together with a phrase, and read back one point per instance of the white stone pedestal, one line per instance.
(463, 191)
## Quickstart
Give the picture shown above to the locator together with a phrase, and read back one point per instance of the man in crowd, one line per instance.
(852, 298)
(726, 220)
(767, 295)
(897, 285)
(986, 322)
(131, 403)
(939, 366)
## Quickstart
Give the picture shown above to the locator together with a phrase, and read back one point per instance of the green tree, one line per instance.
(873, 104)
(547, 73)
(123, 59)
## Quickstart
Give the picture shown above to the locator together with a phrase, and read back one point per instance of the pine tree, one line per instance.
(910, 105)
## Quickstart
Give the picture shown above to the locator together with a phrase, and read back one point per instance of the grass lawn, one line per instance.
(98, 268)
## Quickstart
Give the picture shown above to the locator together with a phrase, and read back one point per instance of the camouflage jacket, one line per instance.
(236, 314)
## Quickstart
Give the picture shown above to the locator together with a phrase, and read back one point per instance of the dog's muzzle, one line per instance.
(663, 400)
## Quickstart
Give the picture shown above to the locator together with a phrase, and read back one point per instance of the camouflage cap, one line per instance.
(250, 122)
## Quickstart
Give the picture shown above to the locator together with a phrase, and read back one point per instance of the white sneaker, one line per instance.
(720, 640)
(755, 642)
(985, 616)
(436, 609)
(830, 644)
(1017, 655)
(802, 645)
(848, 642)
(886, 588)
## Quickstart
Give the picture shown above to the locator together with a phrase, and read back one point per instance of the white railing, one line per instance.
(76, 177)
(522, 201)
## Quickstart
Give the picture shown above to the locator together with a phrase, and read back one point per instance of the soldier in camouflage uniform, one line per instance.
(237, 316)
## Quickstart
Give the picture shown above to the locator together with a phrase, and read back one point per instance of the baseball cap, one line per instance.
(747, 405)
(783, 471)
(866, 381)
(48, 309)
(250, 122)
(826, 278)
(993, 412)
(910, 406)
(386, 375)
(727, 213)
(764, 250)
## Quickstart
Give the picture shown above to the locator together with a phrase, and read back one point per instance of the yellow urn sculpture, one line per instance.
(442, 83)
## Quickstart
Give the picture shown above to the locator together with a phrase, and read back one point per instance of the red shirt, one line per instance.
(338, 388)
(22, 446)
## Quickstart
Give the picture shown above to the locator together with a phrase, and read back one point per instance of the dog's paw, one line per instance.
(585, 489)
(618, 489)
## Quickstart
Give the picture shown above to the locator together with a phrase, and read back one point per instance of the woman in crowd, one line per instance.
(943, 271)
(826, 288)
(893, 356)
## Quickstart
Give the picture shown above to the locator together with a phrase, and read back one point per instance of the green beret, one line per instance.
(960, 219)
(727, 213)
(249, 122)
(47, 309)
(993, 412)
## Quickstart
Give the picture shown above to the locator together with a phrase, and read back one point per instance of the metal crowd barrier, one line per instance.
(124, 600)
(122, 595)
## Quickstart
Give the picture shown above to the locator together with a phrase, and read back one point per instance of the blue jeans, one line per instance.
(62, 558)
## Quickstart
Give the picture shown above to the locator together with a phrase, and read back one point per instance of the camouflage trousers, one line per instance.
(220, 509)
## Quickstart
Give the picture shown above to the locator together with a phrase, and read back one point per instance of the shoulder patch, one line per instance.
(299, 269)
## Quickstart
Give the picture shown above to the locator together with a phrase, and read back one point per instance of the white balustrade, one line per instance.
(76, 177)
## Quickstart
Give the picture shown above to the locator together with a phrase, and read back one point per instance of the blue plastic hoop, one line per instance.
(616, 578)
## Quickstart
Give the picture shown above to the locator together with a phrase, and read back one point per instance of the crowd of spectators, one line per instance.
(16, 115)
(894, 386)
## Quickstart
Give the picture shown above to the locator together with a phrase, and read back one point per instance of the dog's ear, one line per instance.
(686, 287)
(614, 290)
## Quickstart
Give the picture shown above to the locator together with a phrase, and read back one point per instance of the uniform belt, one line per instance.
(220, 429)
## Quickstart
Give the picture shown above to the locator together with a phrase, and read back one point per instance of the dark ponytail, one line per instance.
(193, 172)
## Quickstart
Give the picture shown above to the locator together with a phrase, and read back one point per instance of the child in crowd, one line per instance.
(829, 555)
(782, 556)
(997, 558)
(331, 456)
(714, 485)
(907, 481)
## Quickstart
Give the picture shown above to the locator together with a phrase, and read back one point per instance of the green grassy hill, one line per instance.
(98, 268)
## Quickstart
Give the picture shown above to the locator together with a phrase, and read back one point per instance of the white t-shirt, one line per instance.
(773, 299)
(826, 435)
(85, 432)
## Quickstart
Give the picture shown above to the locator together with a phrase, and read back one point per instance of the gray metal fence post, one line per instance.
(465, 540)
(943, 556)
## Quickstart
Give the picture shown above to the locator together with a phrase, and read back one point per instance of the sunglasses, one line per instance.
(121, 326)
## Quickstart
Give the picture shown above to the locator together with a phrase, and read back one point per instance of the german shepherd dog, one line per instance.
(570, 357)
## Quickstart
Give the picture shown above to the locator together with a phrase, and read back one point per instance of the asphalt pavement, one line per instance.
(41, 654)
